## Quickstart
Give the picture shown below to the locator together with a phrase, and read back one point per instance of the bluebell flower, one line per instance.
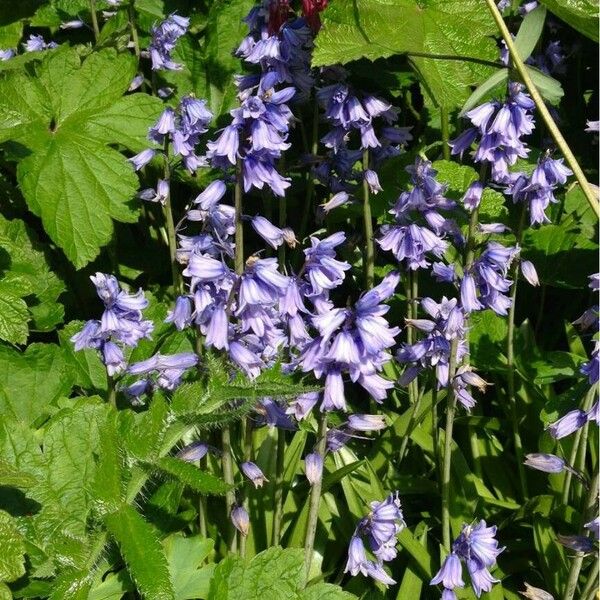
(529, 272)
(567, 424)
(301, 406)
(6, 54)
(450, 574)
(379, 529)
(472, 197)
(163, 41)
(578, 543)
(142, 159)
(159, 195)
(548, 463)
(181, 315)
(253, 473)
(594, 527)
(240, 519)
(193, 452)
(313, 467)
(274, 236)
(591, 369)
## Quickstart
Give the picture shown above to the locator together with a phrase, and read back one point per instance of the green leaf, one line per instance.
(582, 15)
(486, 89)
(65, 115)
(185, 557)
(12, 559)
(492, 206)
(10, 34)
(11, 476)
(325, 591)
(372, 29)
(13, 318)
(550, 89)
(271, 575)
(143, 553)
(530, 32)
(30, 381)
(26, 260)
(457, 177)
(192, 476)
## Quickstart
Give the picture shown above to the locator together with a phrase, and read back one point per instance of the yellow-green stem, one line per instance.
(519, 65)
(94, 20)
(445, 125)
(170, 223)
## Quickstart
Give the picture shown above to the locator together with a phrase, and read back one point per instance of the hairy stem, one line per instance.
(589, 506)
(511, 370)
(541, 106)
(94, 16)
(315, 497)
(450, 412)
(369, 257)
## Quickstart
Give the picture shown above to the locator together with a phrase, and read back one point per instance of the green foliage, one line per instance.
(192, 476)
(582, 15)
(12, 557)
(433, 36)
(273, 574)
(69, 177)
(145, 557)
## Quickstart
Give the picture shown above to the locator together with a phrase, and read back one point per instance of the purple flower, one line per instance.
(578, 543)
(253, 473)
(274, 236)
(194, 452)
(372, 181)
(472, 197)
(181, 315)
(240, 519)
(159, 195)
(142, 159)
(594, 527)
(478, 542)
(367, 422)
(211, 195)
(164, 38)
(450, 574)
(548, 463)
(529, 272)
(303, 404)
(567, 424)
(481, 579)
(313, 467)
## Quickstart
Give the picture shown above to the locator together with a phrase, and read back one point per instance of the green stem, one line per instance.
(588, 592)
(278, 490)
(94, 20)
(310, 183)
(445, 131)
(239, 228)
(134, 33)
(411, 424)
(588, 508)
(247, 437)
(315, 497)
(435, 432)
(171, 234)
(511, 370)
(450, 412)
(541, 106)
(587, 404)
(202, 508)
(227, 464)
(111, 395)
(369, 257)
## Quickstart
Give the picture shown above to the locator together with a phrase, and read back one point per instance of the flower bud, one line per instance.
(548, 463)
(313, 466)
(194, 452)
(529, 272)
(253, 473)
(240, 519)
(367, 422)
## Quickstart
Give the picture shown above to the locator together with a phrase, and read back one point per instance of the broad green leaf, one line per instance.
(486, 89)
(582, 15)
(12, 476)
(550, 89)
(492, 206)
(192, 476)
(71, 585)
(31, 380)
(530, 31)
(271, 575)
(143, 433)
(10, 35)
(112, 587)
(143, 553)
(325, 591)
(12, 559)
(185, 557)
(26, 260)
(550, 553)
(428, 33)
(13, 318)
(457, 177)
(65, 115)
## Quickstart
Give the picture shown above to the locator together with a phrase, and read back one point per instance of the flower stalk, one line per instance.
(369, 256)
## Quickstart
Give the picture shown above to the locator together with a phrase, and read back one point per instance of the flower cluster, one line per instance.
(180, 129)
(478, 548)
(498, 127)
(350, 340)
(536, 191)
(379, 528)
(121, 323)
(164, 39)
(410, 242)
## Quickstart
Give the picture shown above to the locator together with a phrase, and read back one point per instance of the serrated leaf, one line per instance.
(582, 15)
(12, 559)
(10, 34)
(27, 261)
(31, 380)
(492, 206)
(192, 476)
(374, 29)
(271, 575)
(143, 553)
(325, 591)
(457, 177)
(65, 115)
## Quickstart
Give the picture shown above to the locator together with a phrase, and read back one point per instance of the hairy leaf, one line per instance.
(143, 553)
(192, 476)
(12, 559)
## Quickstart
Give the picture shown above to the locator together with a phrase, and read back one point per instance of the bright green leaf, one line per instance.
(12, 559)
